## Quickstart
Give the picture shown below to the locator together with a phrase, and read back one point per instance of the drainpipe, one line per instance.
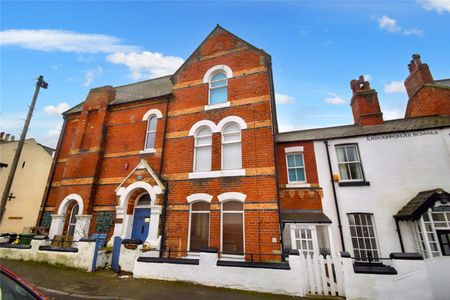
(399, 235)
(166, 183)
(274, 132)
(50, 176)
(335, 197)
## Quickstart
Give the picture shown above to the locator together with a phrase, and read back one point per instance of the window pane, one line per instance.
(355, 171)
(351, 153)
(233, 205)
(232, 156)
(203, 131)
(232, 233)
(300, 174)
(232, 137)
(340, 154)
(291, 160)
(150, 140)
(218, 76)
(299, 160)
(152, 123)
(363, 236)
(292, 175)
(200, 141)
(200, 206)
(144, 200)
(203, 158)
(232, 128)
(343, 172)
(199, 231)
(218, 95)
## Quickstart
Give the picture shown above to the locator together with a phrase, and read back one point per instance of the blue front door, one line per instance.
(141, 224)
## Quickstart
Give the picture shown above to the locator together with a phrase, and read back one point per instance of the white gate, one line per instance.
(322, 276)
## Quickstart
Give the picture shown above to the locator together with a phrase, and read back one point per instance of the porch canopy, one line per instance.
(304, 216)
(418, 205)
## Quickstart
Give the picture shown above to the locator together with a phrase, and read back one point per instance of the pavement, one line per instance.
(63, 283)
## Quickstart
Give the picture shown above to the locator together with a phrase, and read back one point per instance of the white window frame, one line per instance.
(190, 220)
(223, 198)
(197, 146)
(233, 142)
(427, 228)
(349, 162)
(211, 88)
(377, 249)
(150, 150)
(294, 239)
(146, 118)
(296, 167)
(75, 219)
(207, 78)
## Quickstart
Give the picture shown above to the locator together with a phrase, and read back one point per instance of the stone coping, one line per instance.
(373, 268)
(58, 249)
(178, 261)
(14, 246)
(406, 256)
(257, 265)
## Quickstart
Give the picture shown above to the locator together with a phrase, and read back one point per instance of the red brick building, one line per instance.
(181, 162)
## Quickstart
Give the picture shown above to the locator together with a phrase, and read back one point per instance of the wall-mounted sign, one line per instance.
(401, 135)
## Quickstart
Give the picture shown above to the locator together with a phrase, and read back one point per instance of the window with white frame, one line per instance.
(151, 132)
(233, 227)
(218, 88)
(311, 239)
(295, 167)
(199, 226)
(349, 163)
(202, 149)
(231, 147)
(431, 233)
(364, 241)
(73, 220)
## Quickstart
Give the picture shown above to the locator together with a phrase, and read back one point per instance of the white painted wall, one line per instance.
(411, 282)
(288, 282)
(397, 169)
(80, 260)
(438, 270)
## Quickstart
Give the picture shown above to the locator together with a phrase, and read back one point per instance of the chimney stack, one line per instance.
(7, 137)
(13, 138)
(2, 135)
(365, 107)
(419, 74)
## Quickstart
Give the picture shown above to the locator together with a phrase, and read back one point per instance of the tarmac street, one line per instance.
(63, 283)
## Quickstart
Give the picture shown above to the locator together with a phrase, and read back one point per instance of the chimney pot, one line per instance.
(13, 138)
(2, 135)
(7, 137)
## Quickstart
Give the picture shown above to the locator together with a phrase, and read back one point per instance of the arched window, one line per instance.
(233, 227)
(202, 149)
(231, 147)
(73, 220)
(199, 226)
(218, 88)
(151, 132)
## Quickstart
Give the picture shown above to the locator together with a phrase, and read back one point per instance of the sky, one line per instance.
(317, 47)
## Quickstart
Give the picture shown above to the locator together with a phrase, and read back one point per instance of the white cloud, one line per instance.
(56, 110)
(390, 25)
(61, 40)
(284, 99)
(334, 99)
(394, 87)
(367, 77)
(438, 5)
(146, 64)
(91, 74)
(392, 114)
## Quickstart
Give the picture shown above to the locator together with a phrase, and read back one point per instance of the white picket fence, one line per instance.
(323, 276)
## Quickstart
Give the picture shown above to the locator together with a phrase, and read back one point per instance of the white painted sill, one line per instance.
(232, 257)
(217, 174)
(293, 185)
(218, 105)
(146, 151)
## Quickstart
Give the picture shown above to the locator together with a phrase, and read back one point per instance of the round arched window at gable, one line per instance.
(218, 88)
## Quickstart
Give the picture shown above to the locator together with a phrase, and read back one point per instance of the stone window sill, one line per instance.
(147, 151)
(217, 174)
(294, 185)
(218, 105)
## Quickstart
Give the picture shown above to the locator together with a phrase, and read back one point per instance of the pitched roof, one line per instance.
(136, 91)
(391, 126)
(303, 216)
(420, 204)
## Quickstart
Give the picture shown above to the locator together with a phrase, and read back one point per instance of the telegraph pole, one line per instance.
(40, 84)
